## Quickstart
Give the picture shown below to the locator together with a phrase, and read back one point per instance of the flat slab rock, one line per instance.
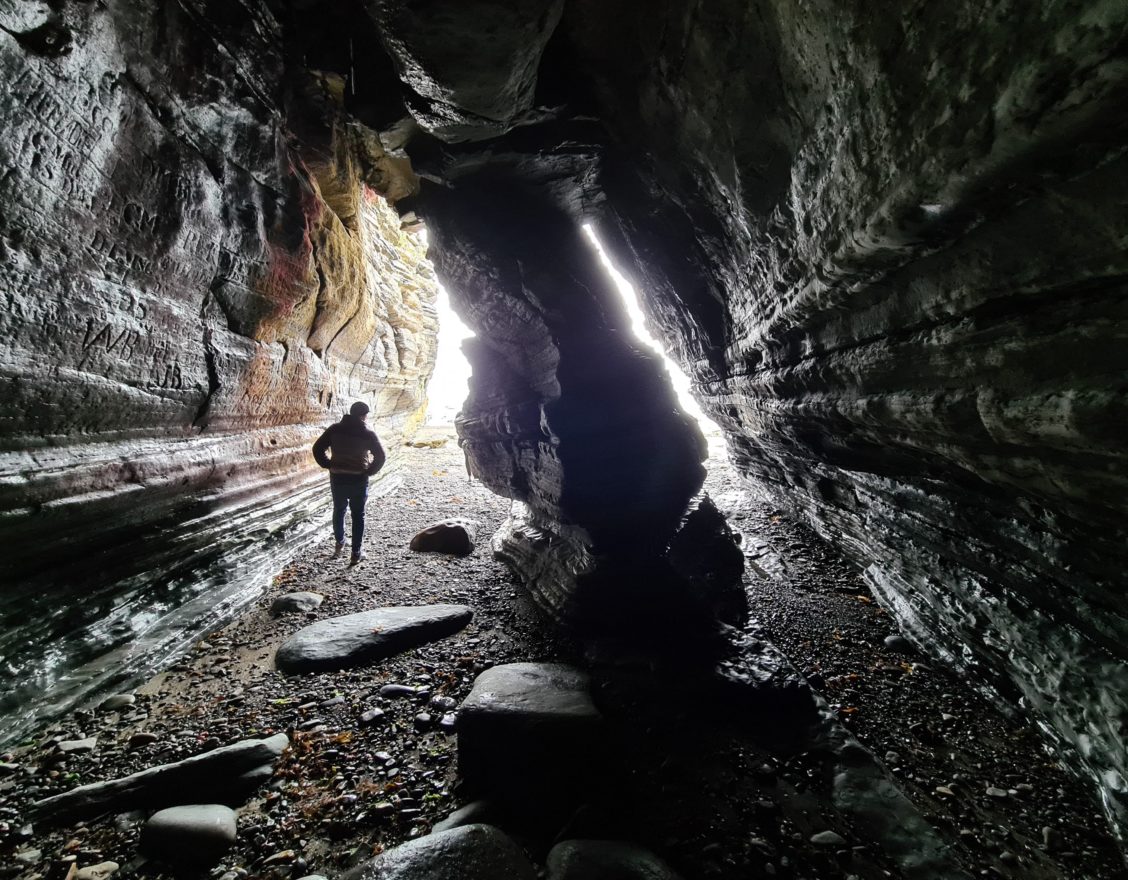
(605, 860)
(195, 833)
(301, 601)
(229, 773)
(535, 692)
(472, 852)
(368, 637)
(454, 536)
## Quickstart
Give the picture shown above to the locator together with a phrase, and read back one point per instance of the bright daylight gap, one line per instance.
(449, 384)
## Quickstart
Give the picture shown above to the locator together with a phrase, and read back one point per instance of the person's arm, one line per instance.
(378, 457)
(321, 447)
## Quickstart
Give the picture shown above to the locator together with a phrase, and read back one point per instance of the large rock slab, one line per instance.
(472, 852)
(606, 860)
(368, 637)
(196, 833)
(529, 736)
(227, 774)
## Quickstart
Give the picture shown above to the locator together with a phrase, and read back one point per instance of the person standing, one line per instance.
(352, 453)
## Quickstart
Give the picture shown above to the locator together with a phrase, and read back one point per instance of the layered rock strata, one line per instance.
(889, 250)
(200, 270)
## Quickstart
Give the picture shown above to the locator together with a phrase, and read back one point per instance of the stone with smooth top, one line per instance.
(368, 637)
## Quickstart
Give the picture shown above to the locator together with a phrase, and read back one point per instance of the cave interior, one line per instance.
(888, 249)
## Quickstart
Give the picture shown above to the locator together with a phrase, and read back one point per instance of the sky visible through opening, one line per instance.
(449, 384)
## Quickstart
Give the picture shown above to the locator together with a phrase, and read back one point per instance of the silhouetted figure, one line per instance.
(352, 453)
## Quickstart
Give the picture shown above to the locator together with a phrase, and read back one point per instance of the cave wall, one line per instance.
(889, 249)
(200, 270)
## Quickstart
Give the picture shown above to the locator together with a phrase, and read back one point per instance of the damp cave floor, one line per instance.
(694, 780)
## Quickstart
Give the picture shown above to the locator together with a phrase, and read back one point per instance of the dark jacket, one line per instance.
(349, 444)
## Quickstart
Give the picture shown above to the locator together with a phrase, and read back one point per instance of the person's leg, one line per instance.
(340, 490)
(357, 500)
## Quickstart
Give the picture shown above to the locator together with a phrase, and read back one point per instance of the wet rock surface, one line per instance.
(201, 269)
(695, 775)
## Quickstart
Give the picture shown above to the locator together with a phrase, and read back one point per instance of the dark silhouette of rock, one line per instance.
(529, 738)
(606, 860)
(367, 637)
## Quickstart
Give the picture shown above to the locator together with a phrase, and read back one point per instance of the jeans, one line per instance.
(349, 490)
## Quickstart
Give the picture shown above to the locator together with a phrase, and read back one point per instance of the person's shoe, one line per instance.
(358, 556)
(339, 551)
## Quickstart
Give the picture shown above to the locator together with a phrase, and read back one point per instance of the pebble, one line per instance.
(7, 769)
(287, 855)
(422, 721)
(143, 738)
(333, 701)
(28, 856)
(118, 701)
(394, 691)
(996, 792)
(448, 722)
(892, 757)
(898, 643)
(78, 746)
(443, 704)
(828, 838)
(372, 716)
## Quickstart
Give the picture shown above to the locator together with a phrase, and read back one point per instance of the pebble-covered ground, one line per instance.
(688, 778)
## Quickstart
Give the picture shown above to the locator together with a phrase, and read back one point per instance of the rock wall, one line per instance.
(571, 418)
(200, 271)
(889, 250)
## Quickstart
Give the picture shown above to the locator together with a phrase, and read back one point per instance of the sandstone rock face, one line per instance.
(889, 252)
(200, 270)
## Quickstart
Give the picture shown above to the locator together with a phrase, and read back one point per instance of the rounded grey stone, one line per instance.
(198, 833)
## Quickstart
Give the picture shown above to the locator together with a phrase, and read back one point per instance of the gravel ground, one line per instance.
(687, 777)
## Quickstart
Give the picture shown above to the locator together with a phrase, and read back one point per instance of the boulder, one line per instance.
(453, 536)
(228, 774)
(472, 852)
(301, 601)
(197, 833)
(529, 735)
(367, 637)
(605, 860)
